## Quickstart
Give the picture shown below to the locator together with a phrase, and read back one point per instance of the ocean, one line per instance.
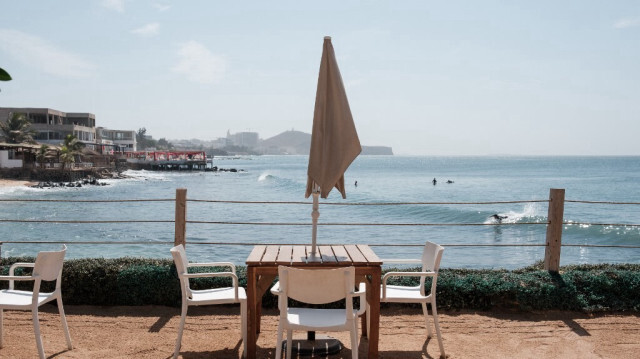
(380, 179)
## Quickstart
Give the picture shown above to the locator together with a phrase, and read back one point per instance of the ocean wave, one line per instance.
(266, 177)
(531, 212)
(143, 175)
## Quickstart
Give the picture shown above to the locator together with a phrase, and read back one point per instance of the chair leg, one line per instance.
(426, 319)
(36, 329)
(180, 328)
(437, 324)
(289, 344)
(65, 327)
(367, 313)
(354, 339)
(243, 326)
(279, 342)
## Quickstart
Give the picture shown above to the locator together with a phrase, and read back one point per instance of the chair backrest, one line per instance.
(431, 256)
(180, 260)
(316, 286)
(48, 265)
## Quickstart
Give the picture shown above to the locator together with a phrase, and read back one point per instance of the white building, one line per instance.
(118, 140)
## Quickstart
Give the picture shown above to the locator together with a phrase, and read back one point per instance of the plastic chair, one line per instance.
(317, 286)
(47, 267)
(226, 295)
(431, 256)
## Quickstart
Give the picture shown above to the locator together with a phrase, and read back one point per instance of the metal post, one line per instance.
(554, 230)
(181, 217)
(314, 218)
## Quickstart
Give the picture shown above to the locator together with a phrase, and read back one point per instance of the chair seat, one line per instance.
(16, 299)
(327, 319)
(397, 293)
(217, 296)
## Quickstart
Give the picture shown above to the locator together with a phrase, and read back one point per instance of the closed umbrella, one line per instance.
(334, 140)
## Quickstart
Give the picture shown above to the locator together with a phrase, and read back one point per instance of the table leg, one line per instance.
(374, 315)
(252, 315)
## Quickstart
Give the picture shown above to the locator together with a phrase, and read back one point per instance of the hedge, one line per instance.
(143, 281)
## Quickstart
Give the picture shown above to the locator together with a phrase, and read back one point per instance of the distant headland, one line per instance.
(286, 143)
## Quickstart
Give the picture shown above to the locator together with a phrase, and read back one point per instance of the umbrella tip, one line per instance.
(327, 38)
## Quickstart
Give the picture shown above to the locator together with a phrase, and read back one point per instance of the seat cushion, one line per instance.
(326, 319)
(396, 293)
(217, 296)
(10, 298)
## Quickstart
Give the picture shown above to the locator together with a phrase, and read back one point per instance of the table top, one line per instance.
(326, 255)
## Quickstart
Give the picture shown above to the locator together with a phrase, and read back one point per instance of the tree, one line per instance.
(71, 148)
(17, 129)
(163, 144)
(4, 76)
(140, 137)
(143, 141)
(45, 153)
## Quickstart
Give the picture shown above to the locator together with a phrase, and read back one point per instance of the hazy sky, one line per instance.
(426, 78)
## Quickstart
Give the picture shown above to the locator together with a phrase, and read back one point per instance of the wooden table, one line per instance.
(262, 269)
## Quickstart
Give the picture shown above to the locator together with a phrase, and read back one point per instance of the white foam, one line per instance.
(264, 176)
(530, 210)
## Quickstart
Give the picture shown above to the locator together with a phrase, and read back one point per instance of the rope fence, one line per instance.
(554, 223)
(308, 203)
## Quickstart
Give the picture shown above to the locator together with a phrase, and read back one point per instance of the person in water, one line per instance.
(356, 184)
(434, 181)
(498, 217)
(449, 181)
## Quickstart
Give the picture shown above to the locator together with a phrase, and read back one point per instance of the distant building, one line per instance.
(118, 140)
(53, 125)
(243, 139)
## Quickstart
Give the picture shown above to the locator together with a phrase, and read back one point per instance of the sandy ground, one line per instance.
(213, 332)
(15, 183)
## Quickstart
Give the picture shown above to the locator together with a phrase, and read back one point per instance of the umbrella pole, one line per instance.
(314, 219)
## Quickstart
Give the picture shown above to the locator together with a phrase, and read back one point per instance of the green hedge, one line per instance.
(141, 281)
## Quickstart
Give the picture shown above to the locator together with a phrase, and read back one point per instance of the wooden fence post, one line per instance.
(554, 230)
(181, 217)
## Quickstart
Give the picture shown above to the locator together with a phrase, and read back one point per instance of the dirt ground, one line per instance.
(15, 183)
(214, 332)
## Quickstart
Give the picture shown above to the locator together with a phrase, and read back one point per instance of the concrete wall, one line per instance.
(5, 162)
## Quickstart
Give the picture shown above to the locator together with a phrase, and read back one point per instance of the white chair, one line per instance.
(47, 267)
(431, 256)
(226, 295)
(317, 286)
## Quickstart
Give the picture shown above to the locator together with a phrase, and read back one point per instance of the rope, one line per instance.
(361, 204)
(83, 222)
(358, 224)
(307, 203)
(79, 242)
(309, 224)
(601, 202)
(89, 200)
(307, 244)
(602, 224)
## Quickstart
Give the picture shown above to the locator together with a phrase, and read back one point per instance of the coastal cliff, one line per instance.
(298, 143)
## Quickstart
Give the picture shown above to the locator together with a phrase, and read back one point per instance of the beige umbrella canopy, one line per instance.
(334, 140)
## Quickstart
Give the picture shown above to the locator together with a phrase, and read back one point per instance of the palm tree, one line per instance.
(71, 148)
(45, 153)
(17, 129)
(41, 156)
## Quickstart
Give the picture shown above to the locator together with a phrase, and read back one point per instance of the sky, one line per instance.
(423, 77)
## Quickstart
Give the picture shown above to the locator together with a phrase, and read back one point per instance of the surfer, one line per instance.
(356, 184)
(434, 181)
(498, 217)
(449, 181)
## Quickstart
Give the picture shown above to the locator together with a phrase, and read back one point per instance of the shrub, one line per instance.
(143, 281)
